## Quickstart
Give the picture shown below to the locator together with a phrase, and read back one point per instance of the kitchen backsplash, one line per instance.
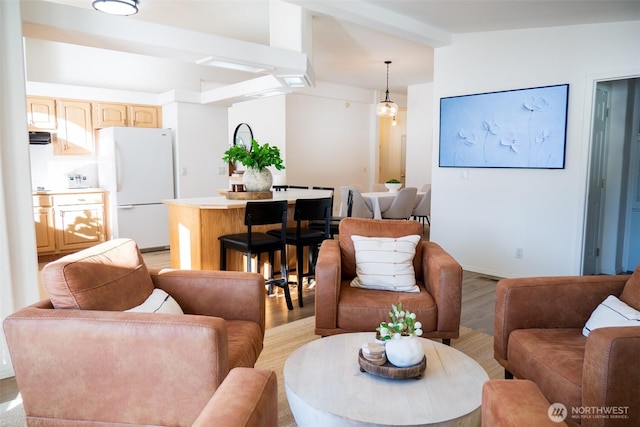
(54, 172)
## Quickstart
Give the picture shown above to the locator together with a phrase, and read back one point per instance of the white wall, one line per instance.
(325, 135)
(200, 138)
(62, 63)
(266, 117)
(328, 141)
(483, 218)
(420, 129)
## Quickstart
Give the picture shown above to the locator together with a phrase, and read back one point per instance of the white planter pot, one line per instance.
(393, 188)
(404, 351)
(257, 180)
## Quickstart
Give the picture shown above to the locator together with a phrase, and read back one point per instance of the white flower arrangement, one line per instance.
(402, 322)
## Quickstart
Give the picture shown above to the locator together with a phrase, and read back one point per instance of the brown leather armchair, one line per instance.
(341, 308)
(89, 361)
(246, 398)
(538, 337)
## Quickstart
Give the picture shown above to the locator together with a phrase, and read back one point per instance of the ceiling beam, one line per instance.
(371, 16)
(86, 27)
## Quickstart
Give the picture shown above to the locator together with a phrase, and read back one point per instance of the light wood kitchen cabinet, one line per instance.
(41, 113)
(109, 114)
(106, 115)
(70, 222)
(75, 130)
(144, 116)
(45, 225)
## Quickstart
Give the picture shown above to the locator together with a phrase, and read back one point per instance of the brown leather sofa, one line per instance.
(89, 361)
(538, 337)
(341, 308)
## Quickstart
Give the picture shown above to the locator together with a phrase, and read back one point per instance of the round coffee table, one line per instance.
(325, 386)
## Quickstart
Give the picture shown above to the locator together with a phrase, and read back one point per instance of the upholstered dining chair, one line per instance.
(402, 206)
(253, 242)
(359, 208)
(302, 236)
(341, 307)
(119, 344)
(423, 209)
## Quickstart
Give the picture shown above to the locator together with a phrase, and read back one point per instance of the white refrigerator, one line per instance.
(136, 166)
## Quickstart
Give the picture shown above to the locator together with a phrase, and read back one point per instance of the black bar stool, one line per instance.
(253, 242)
(301, 236)
(334, 222)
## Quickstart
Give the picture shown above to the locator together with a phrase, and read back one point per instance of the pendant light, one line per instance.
(387, 108)
(116, 7)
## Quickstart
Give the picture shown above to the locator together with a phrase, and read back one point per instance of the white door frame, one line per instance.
(589, 119)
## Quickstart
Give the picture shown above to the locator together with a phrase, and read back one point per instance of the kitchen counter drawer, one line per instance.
(79, 199)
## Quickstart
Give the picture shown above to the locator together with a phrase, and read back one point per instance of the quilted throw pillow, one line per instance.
(611, 312)
(158, 302)
(385, 263)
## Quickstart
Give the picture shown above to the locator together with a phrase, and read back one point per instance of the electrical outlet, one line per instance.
(519, 253)
(223, 170)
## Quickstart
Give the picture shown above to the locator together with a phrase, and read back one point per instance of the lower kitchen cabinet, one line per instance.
(71, 222)
(45, 226)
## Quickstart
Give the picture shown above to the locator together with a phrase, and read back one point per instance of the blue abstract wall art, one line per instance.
(521, 128)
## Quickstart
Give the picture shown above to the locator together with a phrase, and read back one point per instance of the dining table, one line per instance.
(380, 201)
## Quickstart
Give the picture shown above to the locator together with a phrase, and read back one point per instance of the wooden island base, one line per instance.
(195, 225)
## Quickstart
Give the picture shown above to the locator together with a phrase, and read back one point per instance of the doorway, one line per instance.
(612, 230)
(392, 148)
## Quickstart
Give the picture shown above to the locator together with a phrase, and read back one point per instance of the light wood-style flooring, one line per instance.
(478, 299)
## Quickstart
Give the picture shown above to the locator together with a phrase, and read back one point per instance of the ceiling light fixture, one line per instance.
(116, 7)
(233, 65)
(387, 108)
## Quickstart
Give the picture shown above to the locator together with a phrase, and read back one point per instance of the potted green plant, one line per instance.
(257, 159)
(399, 335)
(393, 185)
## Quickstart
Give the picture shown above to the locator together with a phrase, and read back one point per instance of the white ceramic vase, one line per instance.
(404, 351)
(392, 187)
(257, 180)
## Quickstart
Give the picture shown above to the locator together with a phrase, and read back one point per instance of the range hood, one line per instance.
(39, 138)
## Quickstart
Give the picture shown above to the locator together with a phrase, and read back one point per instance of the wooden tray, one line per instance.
(390, 371)
(248, 195)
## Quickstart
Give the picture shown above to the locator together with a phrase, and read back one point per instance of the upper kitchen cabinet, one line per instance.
(142, 116)
(145, 116)
(106, 115)
(75, 130)
(41, 113)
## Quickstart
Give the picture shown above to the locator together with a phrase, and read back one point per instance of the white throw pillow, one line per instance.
(158, 302)
(611, 312)
(385, 263)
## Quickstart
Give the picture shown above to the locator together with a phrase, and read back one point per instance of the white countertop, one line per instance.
(221, 202)
(48, 192)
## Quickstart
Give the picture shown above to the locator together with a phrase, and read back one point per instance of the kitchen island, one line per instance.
(196, 223)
